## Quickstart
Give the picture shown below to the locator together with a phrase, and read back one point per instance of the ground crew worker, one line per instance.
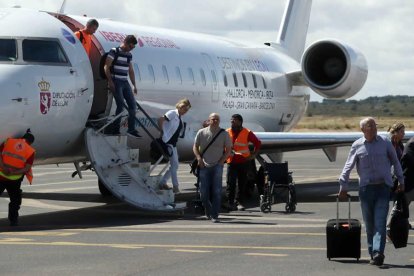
(237, 163)
(16, 160)
(85, 35)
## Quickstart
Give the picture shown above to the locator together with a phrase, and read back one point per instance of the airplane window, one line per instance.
(191, 74)
(254, 81)
(244, 79)
(137, 72)
(8, 50)
(151, 72)
(178, 73)
(225, 79)
(213, 75)
(43, 51)
(203, 77)
(165, 73)
(264, 83)
(236, 83)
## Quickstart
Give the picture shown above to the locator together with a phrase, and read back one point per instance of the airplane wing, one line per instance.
(276, 142)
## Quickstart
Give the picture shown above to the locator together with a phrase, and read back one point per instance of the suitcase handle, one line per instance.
(349, 211)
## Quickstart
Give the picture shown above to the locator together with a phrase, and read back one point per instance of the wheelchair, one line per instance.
(277, 179)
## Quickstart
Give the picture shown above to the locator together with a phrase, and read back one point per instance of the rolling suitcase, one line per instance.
(343, 236)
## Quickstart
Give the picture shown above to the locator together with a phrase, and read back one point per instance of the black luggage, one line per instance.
(398, 222)
(343, 236)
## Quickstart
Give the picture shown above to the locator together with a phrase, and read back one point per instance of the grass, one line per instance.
(331, 123)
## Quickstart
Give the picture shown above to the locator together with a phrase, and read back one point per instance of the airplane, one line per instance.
(50, 85)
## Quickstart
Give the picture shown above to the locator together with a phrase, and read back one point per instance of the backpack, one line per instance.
(103, 60)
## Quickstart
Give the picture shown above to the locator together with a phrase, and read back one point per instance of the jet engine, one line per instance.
(334, 70)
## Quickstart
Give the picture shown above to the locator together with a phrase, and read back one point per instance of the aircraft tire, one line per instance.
(103, 190)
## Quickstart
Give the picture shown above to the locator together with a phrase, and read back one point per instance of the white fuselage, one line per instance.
(215, 74)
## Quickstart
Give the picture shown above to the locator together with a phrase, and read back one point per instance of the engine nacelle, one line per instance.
(333, 69)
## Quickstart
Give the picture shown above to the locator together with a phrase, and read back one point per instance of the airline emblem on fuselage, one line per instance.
(45, 96)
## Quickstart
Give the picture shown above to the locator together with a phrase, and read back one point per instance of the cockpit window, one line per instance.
(8, 50)
(43, 51)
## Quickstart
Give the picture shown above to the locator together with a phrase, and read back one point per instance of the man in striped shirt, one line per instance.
(118, 67)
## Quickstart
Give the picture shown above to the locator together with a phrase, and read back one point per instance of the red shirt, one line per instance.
(252, 139)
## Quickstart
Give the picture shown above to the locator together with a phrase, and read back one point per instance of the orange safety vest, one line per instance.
(15, 154)
(240, 145)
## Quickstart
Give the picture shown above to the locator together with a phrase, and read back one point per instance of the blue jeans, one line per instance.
(172, 171)
(123, 91)
(375, 200)
(211, 188)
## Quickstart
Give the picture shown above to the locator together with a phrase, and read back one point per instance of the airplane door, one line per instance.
(213, 75)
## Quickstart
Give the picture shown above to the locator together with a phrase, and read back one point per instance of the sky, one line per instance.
(380, 29)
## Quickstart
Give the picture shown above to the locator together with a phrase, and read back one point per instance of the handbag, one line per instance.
(158, 148)
(398, 222)
(194, 169)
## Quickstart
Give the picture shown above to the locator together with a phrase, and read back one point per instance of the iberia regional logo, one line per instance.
(45, 96)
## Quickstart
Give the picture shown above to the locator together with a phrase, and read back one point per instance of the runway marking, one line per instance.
(266, 255)
(127, 246)
(68, 189)
(27, 202)
(166, 246)
(204, 232)
(64, 182)
(40, 233)
(191, 251)
(15, 240)
(38, 174)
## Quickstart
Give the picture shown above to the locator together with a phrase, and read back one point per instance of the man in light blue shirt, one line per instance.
(373, 157)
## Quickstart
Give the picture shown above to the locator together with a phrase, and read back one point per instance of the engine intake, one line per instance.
(333, 69)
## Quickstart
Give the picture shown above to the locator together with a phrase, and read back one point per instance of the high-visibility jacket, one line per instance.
(240, 145)
(15, 154)
(85, 39)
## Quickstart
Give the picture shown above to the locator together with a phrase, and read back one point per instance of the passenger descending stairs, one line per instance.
(119, 170)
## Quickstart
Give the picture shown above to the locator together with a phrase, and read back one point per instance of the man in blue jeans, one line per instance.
(373, 156)
(118, 66)
(211, 164)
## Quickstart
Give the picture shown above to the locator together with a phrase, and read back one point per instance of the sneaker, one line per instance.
(176, 190)
(377, 260)
(215, 220)
(207, 217)
(134, 133)
(240, 207)
(164, 187)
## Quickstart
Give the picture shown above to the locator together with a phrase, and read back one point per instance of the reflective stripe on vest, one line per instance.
(240, 145)
(10, 177)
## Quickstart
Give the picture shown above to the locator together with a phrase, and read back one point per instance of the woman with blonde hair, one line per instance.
(171, 125)
(396, 133)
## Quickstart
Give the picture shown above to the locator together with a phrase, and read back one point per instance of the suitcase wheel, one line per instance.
(265, 207)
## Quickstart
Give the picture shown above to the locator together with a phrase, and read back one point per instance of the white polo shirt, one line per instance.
(170, 125)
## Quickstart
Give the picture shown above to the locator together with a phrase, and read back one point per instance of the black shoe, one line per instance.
(377, 260)
(231, 207)
(14, 223)
(134, 133)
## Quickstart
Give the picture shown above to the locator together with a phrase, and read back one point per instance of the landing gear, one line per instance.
(103, 190)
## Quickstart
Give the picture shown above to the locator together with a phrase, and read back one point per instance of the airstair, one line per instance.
(119, 170)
